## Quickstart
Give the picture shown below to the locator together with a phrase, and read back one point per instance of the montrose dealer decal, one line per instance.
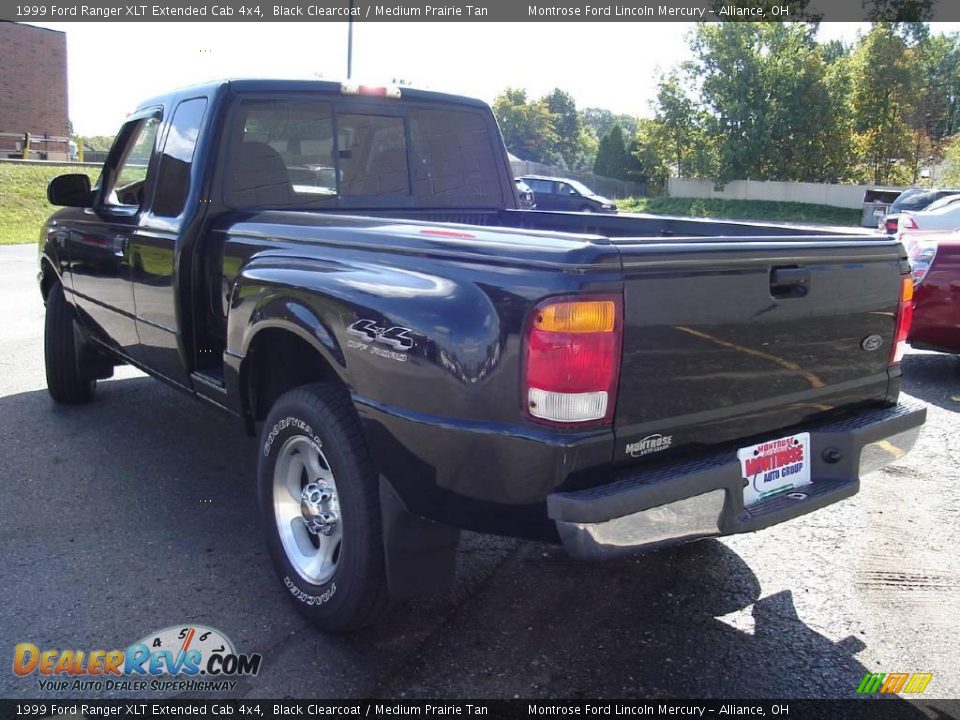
(177, 658)
(649, 444)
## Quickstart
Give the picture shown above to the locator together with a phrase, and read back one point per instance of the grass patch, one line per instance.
(23, 198)
(742, 210)
(24, 206)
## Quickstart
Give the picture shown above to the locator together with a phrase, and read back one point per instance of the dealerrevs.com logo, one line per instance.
(179, 658)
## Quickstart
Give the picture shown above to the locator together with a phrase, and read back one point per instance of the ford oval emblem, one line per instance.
(871, 343)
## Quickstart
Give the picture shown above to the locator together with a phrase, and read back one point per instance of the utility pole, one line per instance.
(350, 42)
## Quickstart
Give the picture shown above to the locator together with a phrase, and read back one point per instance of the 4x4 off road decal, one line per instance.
(371, 335)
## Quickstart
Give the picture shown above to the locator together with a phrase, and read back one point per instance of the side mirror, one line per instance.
(70, 191)
(573, 192)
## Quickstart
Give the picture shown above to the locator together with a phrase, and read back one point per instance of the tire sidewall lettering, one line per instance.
(307, 598)
(285, 423)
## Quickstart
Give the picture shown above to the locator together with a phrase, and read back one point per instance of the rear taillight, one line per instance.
(890, 225)
(907, 223)
(921, 256)
(572, 360)
(904, 318)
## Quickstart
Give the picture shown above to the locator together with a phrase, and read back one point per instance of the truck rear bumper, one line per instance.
(690, 499)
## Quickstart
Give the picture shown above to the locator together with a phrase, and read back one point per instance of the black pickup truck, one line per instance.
(345, 268)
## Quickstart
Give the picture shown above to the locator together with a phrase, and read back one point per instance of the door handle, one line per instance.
(789, 282)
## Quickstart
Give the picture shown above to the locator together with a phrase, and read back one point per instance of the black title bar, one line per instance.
(479, 10)
(890, 708)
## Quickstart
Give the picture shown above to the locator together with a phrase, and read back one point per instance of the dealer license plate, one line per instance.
(774, 467)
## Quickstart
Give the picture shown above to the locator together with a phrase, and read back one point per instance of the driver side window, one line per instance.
(131, 173)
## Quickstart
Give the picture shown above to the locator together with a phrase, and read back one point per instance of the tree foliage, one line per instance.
(882, 79)
(548, 130)
(613, 158)
(768, 101)
(951, 162)
(528, 126)
(599, 122)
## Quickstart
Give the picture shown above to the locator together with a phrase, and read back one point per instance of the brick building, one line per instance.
(33, 91)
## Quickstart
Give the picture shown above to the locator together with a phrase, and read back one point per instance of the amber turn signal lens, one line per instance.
(586, 316)
(906, 292)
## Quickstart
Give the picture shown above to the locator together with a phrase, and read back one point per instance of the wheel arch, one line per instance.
(281, 356)
(48, 276)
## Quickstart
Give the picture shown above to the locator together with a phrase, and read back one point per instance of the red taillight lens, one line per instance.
(904, 319)
(891, 226)
(907, 223)
(921, 256)
(572, 360)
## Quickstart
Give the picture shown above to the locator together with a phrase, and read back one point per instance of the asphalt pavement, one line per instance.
(136, 513)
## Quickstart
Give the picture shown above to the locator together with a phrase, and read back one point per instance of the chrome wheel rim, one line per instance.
(306, 507)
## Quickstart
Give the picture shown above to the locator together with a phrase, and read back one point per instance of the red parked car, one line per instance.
(935, 260)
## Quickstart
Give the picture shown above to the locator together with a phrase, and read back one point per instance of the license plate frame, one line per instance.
(774, 467)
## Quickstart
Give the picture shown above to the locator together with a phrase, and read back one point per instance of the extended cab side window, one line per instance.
(130, 174)
(173, 177)
(300, 154)
(373, 155)
(454, 161)
(281, 154)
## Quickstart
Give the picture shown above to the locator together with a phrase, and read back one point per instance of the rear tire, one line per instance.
(65, 382)
(320, 508)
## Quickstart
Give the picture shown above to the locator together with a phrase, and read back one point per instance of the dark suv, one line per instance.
(553, 193)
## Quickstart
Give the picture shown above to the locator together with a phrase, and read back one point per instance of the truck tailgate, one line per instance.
(730, 338)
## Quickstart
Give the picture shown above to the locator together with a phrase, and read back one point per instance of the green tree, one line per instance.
(653, 150)
(883, 75)
(570, 143)
(679, 121)
(528, 126)
(730, 65)
(613, 159)
(806, 107)
(939, 58)
(951, 161)
(600, 122)
(767, 90)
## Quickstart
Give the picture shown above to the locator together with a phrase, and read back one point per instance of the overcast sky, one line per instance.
(113, 66)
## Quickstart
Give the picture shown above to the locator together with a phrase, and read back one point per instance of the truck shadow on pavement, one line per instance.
(687, 622)
(933, 378)
(154, 526)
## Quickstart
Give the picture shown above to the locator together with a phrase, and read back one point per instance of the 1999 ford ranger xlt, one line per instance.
(345, 269)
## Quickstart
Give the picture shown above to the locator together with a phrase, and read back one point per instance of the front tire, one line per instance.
(320, 508)
(65, 382)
